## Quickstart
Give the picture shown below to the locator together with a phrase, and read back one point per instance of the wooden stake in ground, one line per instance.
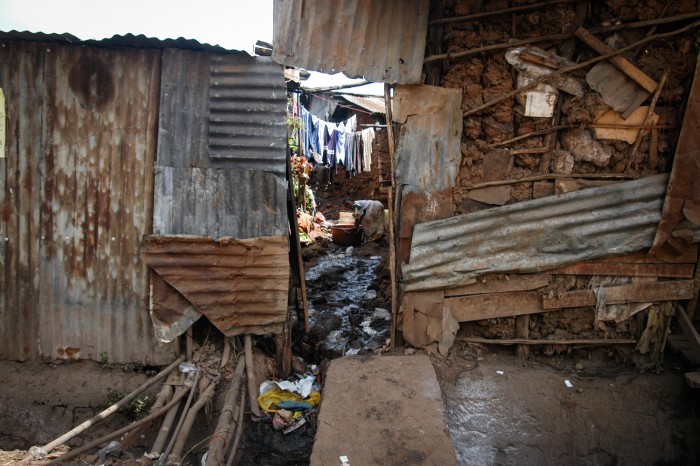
(222, 433)
(392, 235)
(252, 389)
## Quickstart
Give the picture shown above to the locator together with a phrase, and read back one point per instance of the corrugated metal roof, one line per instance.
(383, 41)
(247, 113)
(126, 40)
(536, 235)
(75, 200)
(373, 104)
(240, 286)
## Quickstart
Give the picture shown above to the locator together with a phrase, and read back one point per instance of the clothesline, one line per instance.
(333, 143)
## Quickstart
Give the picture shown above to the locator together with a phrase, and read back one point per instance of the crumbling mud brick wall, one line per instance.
(504, 141)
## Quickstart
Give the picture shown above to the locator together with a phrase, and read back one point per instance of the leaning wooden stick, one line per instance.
(252, 389)
(578, 66)
(647, 120)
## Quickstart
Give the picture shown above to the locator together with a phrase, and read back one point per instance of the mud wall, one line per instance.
(501, 142)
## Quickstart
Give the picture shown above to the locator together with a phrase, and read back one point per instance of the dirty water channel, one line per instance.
(347, 312)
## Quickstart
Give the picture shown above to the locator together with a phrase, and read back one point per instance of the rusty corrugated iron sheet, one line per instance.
(125, 40)
(75, 200)
(683, 196)
(372, 104)
(381, 41)
(241, 286)
(536, 235)
(247, 113)
(427, 156)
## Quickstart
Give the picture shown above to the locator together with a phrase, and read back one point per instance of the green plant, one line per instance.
(104, 361)
(129, 367)
(136, 408)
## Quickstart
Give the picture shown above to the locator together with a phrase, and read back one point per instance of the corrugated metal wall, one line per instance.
(228, 194)
(75, 196)
(247, 113)
(384, 41)
(536, 235)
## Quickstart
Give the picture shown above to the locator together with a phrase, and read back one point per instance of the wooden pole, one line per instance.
(73, 453)
(176, 432)
(550, 176)
(475, 16)
(239, 429)
(522, 331)
(252, 389)
(524, 341)
(647, 120)
(578, 66)
(392, 213)
(107, 412)
(168, 421)
(205, 397)
(222, 433)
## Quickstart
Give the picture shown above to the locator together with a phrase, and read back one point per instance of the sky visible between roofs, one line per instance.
(232, 24)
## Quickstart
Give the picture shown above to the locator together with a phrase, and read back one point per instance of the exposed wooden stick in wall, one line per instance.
(578, 66)
(525, 341)
(486, 14)
(647, 120)
(552, 176)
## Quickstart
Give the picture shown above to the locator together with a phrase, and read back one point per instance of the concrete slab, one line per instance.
(382, 410)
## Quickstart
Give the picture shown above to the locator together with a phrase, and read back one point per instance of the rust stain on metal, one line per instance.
(382, 41)
(427, 157)
(76, 195)
(683, 195)
(241, 286)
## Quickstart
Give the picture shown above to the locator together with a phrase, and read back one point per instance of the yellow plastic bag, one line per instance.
(273, 396)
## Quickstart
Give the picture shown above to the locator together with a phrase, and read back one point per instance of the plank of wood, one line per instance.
(688, 329)
(687, 256)
(619, 132)
(627, 269)
(618, 60)
(491, 306)
(632, 293)
(542, 189)
(491, 284)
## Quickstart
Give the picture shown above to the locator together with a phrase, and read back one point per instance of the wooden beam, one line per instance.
(627, 269)
(491, 284)
(618, 60)
(393, 212)
(632, 293)
(525, 341)
(491, 306)
(688, 329)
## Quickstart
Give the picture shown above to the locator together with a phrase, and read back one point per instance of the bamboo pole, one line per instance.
(73, 453)
(578, 66)
(107, 412)
(168, 421)
(252, 389)
(647, 120)
(205, 397)
(176, 432)
(222, 433)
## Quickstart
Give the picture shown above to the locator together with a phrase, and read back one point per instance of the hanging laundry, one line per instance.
(367, 140)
